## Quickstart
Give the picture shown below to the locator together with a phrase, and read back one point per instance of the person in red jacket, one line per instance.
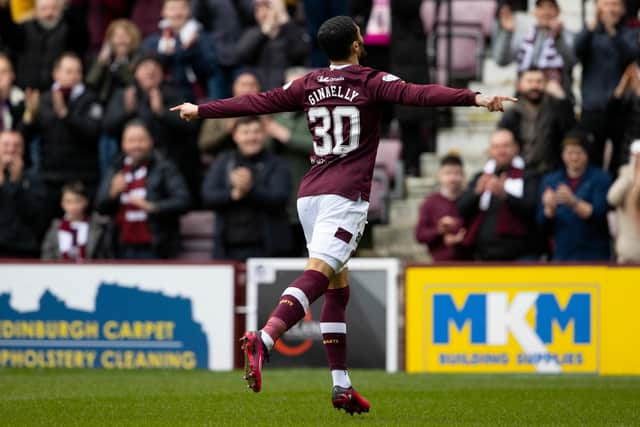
(440, 226)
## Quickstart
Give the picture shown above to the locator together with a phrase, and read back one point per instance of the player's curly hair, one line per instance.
(336, 35)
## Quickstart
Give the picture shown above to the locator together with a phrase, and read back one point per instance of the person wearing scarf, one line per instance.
(573, 205)
(499, 203)
(145, 195)
(624, 195)
(78, 236)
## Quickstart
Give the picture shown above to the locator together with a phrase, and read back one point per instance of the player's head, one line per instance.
(248, 134)
(339, 37)
(75, 199)
(451, 173)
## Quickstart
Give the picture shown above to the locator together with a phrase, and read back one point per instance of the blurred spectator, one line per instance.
(248, 188)
(185, 50)
(624, 195)
(221, 19)
(499, 205)
(149, 99)
(316, 12)
(273, 45)
(21, 199)
(407, 38)
(78, 235)
(215, 134)
(146, 195)
(11, 97)
(146, 14)
(547, 46)
(440, 226)
(623, 115)
(289, 133)
(37, 43)
(539, 120)
(99, 16)
(604, 48)
(111, 69)
(573, 206)
(67, 121)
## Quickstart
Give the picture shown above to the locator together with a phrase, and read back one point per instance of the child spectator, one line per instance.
(78, 235)
(440, 226)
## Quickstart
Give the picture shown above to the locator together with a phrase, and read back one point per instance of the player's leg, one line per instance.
(333, 326)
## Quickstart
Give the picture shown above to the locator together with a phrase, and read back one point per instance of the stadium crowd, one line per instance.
(93, 164)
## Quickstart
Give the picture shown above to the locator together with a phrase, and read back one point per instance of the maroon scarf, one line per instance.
(133, 221)
(72, 239)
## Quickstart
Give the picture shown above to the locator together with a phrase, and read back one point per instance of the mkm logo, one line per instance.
(510, 329)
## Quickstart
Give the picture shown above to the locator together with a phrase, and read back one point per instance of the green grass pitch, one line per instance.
(301, 397)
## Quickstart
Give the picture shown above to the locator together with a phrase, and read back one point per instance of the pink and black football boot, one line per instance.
(349, 400)
(255, 354)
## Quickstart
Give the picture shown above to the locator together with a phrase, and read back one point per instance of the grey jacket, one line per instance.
(98, 244)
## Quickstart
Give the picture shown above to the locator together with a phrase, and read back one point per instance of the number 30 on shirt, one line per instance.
(329, 129)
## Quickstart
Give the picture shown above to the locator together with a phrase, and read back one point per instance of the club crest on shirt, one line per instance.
(390, 78)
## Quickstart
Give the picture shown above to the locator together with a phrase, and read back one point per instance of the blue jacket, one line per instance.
(198, 61)
(604, 59)
(577, 239)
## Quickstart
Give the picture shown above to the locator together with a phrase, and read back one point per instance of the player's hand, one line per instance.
(493, 103)
(187, 110)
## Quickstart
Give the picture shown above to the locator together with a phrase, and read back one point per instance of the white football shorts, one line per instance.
(333, 226)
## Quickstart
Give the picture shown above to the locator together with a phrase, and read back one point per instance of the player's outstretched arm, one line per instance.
(493, 103)
(287, 98)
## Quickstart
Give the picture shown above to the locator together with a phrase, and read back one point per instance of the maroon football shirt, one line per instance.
(343, 106)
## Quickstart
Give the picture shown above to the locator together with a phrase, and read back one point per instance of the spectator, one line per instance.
(148, 100)
(440, 226)
(215, 135)
(221, 19)
(146, 14)
(99, 16)
(112, 68)
(67, 120)
(539, 120)
(573, 206)
(145, 194)
(547, 46)
(21, 199)
(604, 48)
(624, 195)
(623, 115)
(248, 188)
(77, 236)
(273, 45)
(499, 205)
(289, 134)
(185, 50)
(11, 97)
(37, 43)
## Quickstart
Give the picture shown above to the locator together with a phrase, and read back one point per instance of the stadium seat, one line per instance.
(389, 158)
(471, 25)
(196, 231)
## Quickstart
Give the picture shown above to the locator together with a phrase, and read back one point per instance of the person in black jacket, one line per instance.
(499, 205)
(21, 199)
(148, 100)
(145, 194)
(67, 120)
(273, 45)
(539, 121)
(11, 96)
(248, 188)
(37, 43)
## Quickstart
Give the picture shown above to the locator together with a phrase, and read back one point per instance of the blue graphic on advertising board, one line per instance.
(129, 329)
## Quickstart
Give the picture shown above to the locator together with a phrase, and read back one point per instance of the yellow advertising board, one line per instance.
(522, 319)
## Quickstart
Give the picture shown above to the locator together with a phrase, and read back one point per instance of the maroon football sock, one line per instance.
(334, 327)
(295, 301)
